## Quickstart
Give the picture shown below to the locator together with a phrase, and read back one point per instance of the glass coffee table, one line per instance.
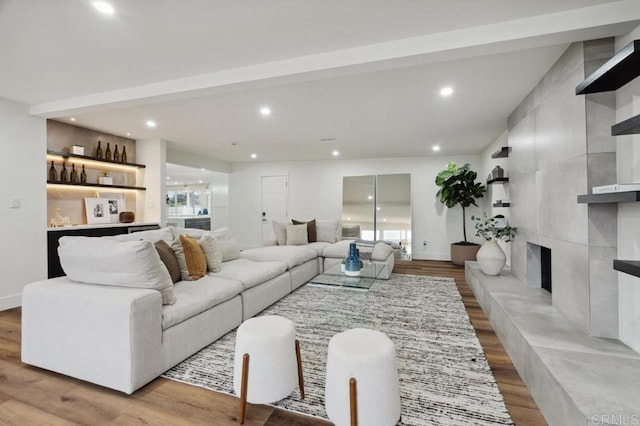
(334, 277)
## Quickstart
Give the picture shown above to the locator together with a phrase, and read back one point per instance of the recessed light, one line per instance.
(128, 134)
(168, 178)
(151, 123)
(446, 91)
(254, 155)
(348, 218)
(435, 148)
(199, 181)
(370, 197)
(335, 153)
(202, 169)
(378, 208)
(384, 219)
(265, 111)
(104, 7)
(72, 119)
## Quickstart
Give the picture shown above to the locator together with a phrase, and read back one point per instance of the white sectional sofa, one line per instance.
(123, 337)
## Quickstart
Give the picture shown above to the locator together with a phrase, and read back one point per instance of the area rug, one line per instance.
(444, 377)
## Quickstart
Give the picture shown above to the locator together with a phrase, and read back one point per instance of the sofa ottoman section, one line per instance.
(302, 274)
(250, 273)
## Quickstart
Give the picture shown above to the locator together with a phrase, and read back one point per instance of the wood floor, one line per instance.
(31, 396)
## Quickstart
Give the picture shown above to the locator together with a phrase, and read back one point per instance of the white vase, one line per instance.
(491, 258)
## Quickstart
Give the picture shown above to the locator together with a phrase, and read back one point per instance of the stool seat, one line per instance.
(369, 357)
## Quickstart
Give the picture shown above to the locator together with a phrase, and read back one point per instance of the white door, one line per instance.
(274, 204)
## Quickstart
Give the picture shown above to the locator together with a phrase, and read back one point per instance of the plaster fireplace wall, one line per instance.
(568, 136)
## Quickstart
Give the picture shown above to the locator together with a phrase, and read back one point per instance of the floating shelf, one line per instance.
(612, 197)
(623, 67)
(497, 180)
(501, 204)
(631, 267)
(96, 185)
(86, 157)
(502, 152)
(627, 127)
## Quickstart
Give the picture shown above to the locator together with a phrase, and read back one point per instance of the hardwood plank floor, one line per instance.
(33, 396)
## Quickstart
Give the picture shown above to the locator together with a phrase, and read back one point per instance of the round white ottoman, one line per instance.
(267, 365)
(362, 379)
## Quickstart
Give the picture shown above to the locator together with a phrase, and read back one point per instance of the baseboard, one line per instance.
(10, 302)
(425, 255)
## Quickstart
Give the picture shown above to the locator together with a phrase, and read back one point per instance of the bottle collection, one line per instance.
(76, 176)
(120, 157)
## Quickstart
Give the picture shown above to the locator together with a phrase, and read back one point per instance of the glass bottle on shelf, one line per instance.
(83, 175)
(123, 158)
(99, 151)
(107, 152)
(53, 173)
(64, 175)
(116, 154)
(74, 173)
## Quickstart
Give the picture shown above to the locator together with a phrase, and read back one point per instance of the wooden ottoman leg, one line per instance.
(300, 377)
(353, 403)
(243, 387)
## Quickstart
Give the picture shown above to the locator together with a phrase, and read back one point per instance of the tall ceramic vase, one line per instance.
(491, 258)
(353, 264)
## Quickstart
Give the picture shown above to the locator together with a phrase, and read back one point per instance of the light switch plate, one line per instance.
(14, 203)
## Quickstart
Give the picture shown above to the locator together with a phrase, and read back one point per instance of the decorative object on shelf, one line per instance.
(107, 152)
(458, 186)
(116, 154)
(497, 172)
(116, 204)
(123, 157)
(97, 210)
(74, 174)
(126, 217)
(105, 179)
(99, 152)
(77, 149)
(353, 263)
(64, 175)
(491, 257)
(83, 175)
(57, 220)
(53, 173)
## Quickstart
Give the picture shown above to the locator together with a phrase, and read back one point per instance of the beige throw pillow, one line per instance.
(212, 252)
(297, 235)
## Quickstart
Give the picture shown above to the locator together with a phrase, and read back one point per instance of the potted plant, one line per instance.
(490, 257)
(458, 186)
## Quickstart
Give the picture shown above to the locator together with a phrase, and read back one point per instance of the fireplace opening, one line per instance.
(539, 266)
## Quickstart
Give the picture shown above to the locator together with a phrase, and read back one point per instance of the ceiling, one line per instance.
(360, 77)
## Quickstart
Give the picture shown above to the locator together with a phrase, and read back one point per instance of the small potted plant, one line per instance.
(343, 264)
(490, 257)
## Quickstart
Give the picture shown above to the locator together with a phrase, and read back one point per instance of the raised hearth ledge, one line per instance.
(574, 378)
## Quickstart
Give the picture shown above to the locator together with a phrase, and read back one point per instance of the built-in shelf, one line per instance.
(502, 152)
(501, 204)
(623, 67)
(497, 180)
(631, 267)
(630, 126)
(95, 185)
(86, 157)
(611, 197)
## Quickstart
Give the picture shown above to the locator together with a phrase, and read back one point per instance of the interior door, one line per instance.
(275, 201)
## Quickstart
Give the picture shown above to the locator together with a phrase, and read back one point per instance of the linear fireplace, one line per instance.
(539, 266)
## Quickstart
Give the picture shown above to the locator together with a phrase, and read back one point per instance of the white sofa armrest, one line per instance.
(111, 336)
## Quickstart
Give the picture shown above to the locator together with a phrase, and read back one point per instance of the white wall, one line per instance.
(184, 158)
(628, 170)
(315, 191)
(23, 255)
(151, 205)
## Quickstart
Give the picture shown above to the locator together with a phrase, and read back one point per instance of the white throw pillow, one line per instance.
(152, 235)
(212, 252)
(297, 235)
(327, 230)
(106, 261)
(222, 234)
(230, 249)
(280, 231)
(190, 232)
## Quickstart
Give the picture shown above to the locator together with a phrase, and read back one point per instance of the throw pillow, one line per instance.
(311, 229)
(327, 230)
(230, 249)
(106, 261)
(168, 257)
(212, 252)
(193, 264)
(280, 231)
(222, 234)
(297, 235)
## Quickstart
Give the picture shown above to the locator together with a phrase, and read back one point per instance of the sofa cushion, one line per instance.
(152, 235)
(222, 234)
(327, 230)
(311, 229)
(297, 235)
(379, 251)
(250, 273)
(191, 232)
(106, 261)
(291, 255)
(169, 259)
(318, 246)
(280, 232)
(194, 297)
(230, 249)
(212, 252)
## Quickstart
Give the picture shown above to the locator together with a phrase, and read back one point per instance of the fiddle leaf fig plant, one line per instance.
(458, 186)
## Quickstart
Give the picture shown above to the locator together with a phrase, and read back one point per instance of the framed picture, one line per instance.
(97, 210)
(116, 204)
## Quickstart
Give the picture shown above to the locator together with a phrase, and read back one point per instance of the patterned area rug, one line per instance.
(444, 377)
